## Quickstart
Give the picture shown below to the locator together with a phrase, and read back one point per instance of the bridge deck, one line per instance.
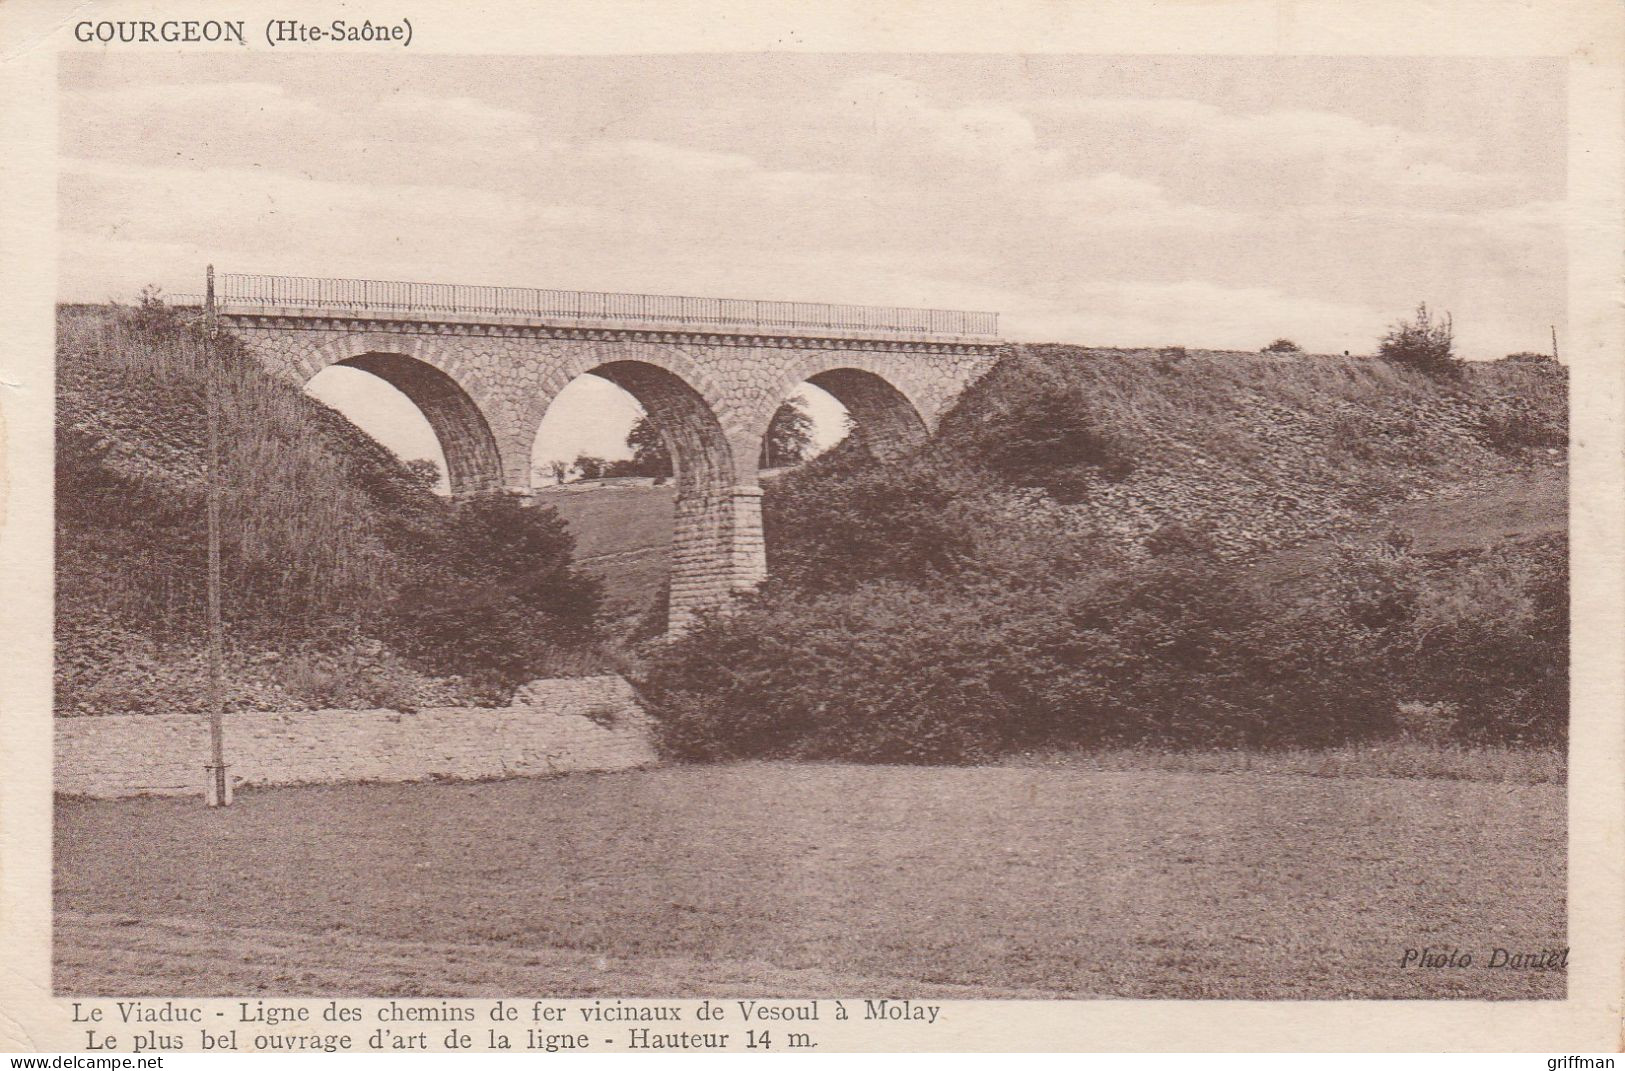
(285, 294)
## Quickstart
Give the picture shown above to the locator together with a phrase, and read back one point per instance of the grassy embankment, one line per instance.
(347, 582)
(1164, 549)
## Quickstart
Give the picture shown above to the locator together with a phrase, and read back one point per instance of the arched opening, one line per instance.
(583, 435)
(688, 538)
(880, 414)
(581, 464)
(808, 422)
(876, 415)
(419, 413)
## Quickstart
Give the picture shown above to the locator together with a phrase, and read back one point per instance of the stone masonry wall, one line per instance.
(553, 726)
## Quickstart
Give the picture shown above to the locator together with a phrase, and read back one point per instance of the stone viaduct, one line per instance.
(484, 363)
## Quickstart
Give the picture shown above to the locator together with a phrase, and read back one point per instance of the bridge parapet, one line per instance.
(304, 296)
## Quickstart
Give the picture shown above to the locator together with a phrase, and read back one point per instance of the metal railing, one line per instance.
(378, 295)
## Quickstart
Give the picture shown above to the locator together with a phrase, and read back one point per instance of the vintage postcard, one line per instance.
(821, 527)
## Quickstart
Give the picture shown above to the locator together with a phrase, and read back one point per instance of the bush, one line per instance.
(1484, 635)
(887, 673)
(426, 471)
(1051, 639)
(344, 679)
(1282, 345)
(649, 454)
(1512, 425)
(1423, 343)
(493, 589)
(931, 610)
(789, 438)
(843, 518)
(588, 467)
(1490, 636)
(1049, 440)
(1171, 650)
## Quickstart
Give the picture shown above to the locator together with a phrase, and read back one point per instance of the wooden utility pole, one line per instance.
(218, 790)
(1554, 342)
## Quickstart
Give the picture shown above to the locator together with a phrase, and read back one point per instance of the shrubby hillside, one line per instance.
(1098, 547)
(1106, 547)
(348, 583)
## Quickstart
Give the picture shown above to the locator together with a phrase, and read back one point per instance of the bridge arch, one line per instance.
(461, 421)
(701, 455)
(685, 388)
(717, 548)
(886, 409)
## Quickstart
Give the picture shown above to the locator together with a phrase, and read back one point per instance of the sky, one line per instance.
(1129, 201)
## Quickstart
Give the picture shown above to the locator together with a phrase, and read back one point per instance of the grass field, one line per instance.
(623, 535)
(1018, 881)
(1405, 759)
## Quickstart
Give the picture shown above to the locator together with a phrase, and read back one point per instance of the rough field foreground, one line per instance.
(813, 880)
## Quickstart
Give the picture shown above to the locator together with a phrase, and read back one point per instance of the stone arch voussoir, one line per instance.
(888, 401)
(468, 421)
(576, 359)
(717, 548)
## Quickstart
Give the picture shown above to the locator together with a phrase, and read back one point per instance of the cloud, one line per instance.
(1509, 226)
(1196, 220)
(1312, 155)
(144, 100)
(147, 196)
(663, 156)
(1113, 200)
(461, 117)
(1285, 132)
(257, 219)
(1198, 313)
(270, 127)
(982, 136)
(992, 152)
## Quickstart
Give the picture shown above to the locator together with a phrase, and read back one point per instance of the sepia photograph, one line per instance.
(825, 534)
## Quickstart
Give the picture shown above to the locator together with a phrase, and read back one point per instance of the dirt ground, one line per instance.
(819, 880)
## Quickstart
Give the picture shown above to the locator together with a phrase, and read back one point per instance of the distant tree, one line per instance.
(1423, 343)
(1528, 357)
(588, 467)
(1282, 345)
(559, 469)
(425, 470)
(789, 437)
(789, 441)
(649, 454)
